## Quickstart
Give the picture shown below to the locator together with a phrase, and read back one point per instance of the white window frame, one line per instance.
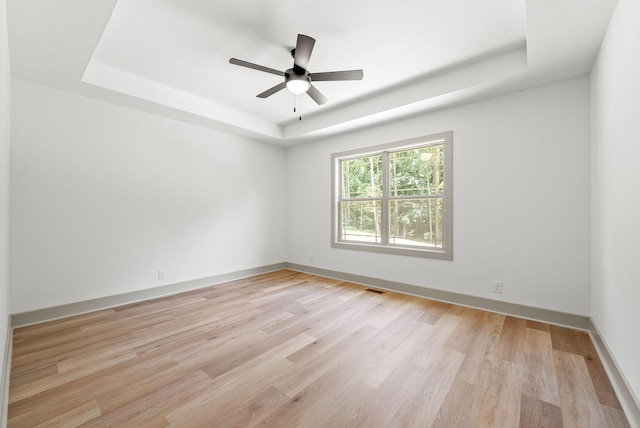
(444, 253)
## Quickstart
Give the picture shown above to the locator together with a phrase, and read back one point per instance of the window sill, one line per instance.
(441, 254)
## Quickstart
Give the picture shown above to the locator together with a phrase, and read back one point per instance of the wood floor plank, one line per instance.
(49, 382)
(61, 326)
(434, 341)
(345, 408)
(540, 381)
(226, 396)
(470, 322)
(162, 377)
(481, 355)
(579, 343)
(535, 413)
(614, 417)
(422, 405)
(331, 399)
(144, 411)
(271, 365)
(107, 383)
(74, 418)
(390, 309)
(433, 311)
(501, 403)
(223, 357)
(388, 349)
(34, 371)
(305, 373)
(293, 349)
(54, 351)
(328, 341)
(254, 411)
(579, 403)
(512, 339)
(460, 407)
(536, 325)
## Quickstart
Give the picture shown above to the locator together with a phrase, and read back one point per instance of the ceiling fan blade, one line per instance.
(304, 47)
(242, 63)
(316, 95)
(337, 75)
(271, 91)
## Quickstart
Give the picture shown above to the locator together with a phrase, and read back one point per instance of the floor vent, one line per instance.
(374, 291)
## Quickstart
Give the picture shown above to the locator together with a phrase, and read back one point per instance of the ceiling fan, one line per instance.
(298, 79)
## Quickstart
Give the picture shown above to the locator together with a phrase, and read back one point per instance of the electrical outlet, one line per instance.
(311, 258)
(497, 287)
(162, 274)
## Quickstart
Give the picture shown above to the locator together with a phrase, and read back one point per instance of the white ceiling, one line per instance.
(171, 57)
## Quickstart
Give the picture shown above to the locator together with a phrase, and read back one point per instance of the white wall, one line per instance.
(615, 182)
(103, 196)
(521, 200)
(5, 103)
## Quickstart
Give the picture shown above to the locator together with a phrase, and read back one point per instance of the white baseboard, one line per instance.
(4, 376)
(77, 308)
(628, 400)
(521, 311)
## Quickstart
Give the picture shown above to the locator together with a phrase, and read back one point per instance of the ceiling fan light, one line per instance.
(298, 86)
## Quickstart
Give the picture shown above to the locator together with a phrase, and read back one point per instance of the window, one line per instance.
(395, 198)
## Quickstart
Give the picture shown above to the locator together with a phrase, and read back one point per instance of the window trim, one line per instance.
(444, 253)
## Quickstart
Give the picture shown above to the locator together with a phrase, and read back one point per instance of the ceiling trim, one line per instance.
(54, 43)
(129, 84)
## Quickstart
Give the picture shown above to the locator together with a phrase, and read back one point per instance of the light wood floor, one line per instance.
(288, 349)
